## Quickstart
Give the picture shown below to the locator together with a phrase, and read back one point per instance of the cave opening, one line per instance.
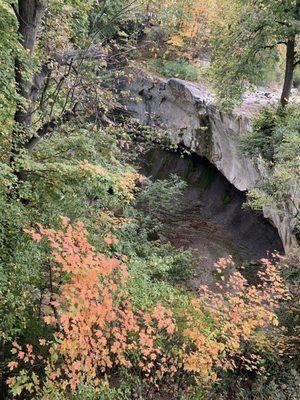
(213, 219)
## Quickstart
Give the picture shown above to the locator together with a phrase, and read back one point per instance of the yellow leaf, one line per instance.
(176, 41)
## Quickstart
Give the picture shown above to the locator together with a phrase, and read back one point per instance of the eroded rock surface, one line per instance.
(187, 113)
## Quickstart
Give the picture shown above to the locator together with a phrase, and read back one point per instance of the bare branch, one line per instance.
(93, 53)
(274, 45)
(49, 127)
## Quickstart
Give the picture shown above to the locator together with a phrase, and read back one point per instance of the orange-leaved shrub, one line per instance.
(245, 325)
(95, 328)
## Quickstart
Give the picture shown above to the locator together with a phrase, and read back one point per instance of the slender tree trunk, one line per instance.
(29, 14)
(289, 72)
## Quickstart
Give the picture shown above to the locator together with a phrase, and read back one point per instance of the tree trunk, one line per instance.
(289, 72)
(29, 14)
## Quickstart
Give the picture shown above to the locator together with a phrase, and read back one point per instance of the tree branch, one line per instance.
(94, 53)
(274, 45)
(15, 11)
(49, 127)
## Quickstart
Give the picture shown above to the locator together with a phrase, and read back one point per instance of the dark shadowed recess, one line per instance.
(212, 218)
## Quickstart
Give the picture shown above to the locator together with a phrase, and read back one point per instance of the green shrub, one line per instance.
(262, 140)
(88, 392)
(272, 134)
(161, 198)
(275, 143)
(175, 69)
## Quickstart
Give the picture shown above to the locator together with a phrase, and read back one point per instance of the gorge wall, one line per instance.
(186, 113)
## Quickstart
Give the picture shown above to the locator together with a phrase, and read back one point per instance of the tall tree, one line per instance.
(248, 35)
(43, 70)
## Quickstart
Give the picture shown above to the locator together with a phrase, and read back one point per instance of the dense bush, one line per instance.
(275, 145)
(97, 329)
(262, 141)
(175, 69)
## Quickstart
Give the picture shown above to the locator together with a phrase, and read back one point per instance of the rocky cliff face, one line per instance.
(187, 113)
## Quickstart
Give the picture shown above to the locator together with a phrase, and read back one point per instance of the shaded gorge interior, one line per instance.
(212, 219)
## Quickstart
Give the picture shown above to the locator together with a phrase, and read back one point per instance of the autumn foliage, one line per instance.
(95, 326)
(96, 330)
(245, 323)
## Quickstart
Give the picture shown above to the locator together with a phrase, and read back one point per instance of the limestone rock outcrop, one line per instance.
(186, 112)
